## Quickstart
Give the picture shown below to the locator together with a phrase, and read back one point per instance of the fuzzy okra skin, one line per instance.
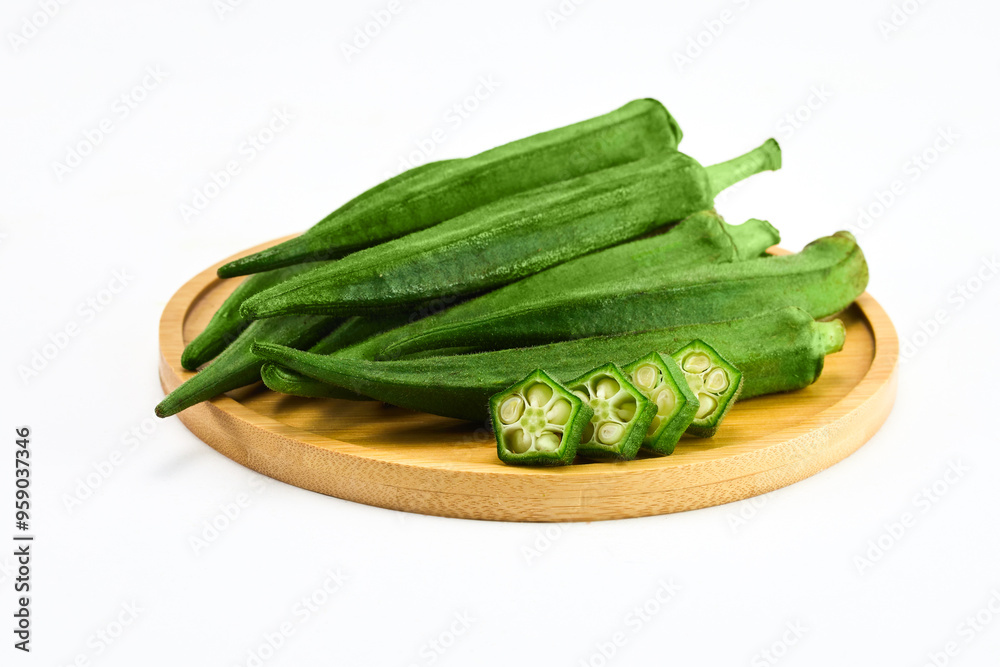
(588, 296)
(427, 195)
(822, 279)
(538, 422)
(227, 323)
(237, 367)
(777, 351)
(510, 239)
(353, 330)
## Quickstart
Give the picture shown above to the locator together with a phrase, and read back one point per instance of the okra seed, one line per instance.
(653, 425)
(665, 401)
(547, 442)
(696, 362)
(626, 410)
(511, 409)
(588, 433)
(538, 394)
(717, 381)
(582, 395)
(559, 412)
(610, 433)
(520, 441)
(607, 388)
(706, 405)
(646, 377)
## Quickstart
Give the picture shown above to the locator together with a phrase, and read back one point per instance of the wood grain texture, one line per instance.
(396, 458)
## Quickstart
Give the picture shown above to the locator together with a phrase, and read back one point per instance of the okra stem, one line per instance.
(829, 336)
(766, 157)
(752, 238)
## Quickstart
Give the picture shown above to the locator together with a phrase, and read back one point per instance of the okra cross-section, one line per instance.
(538, 422)
(621, 414)
(715, 381)
(661, 380)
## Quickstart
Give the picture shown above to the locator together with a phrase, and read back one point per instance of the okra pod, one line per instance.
(664, 383)
(777, 351)
(510, 239)
(716, 382)
(622, 414)
(427, 195)
(237, 367)
(353, 330)
(538, 422)
(621, 289)
(227, 323)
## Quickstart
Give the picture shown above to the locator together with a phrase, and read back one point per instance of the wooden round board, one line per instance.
(391, 457)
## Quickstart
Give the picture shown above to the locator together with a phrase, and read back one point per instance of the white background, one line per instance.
(744, 571)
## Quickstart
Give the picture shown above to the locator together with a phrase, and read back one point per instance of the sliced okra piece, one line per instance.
(661, 380)
(621, 414)
(538, 422)
(715, 381)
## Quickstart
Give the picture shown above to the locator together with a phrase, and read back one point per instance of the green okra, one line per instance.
(622, 414)
(612, 291)
(433, 193)
(237, 367)
(777, 351)
(538, 421)
(662, 381)
(353, 330)
(227, 323)
(510, 239)
(714, 380)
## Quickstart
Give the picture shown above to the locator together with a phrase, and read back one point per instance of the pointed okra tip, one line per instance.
(714, 380)
(538, 421)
